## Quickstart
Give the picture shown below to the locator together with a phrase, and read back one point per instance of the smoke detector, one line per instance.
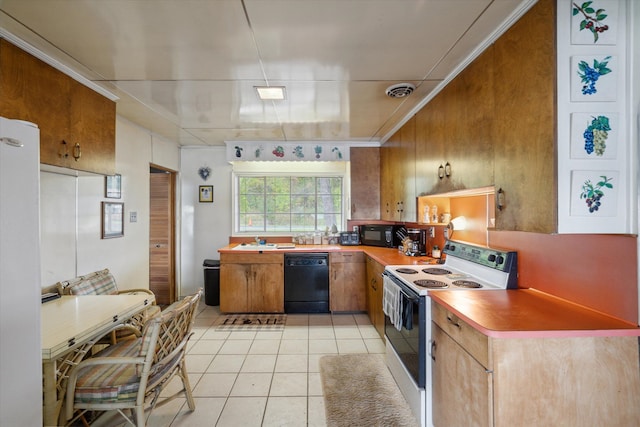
(400, 90)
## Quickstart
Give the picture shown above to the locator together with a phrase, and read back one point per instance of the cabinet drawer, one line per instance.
(253, 258)
(469, 338)
(341, 257)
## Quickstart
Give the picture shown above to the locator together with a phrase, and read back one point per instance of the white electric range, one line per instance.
(466, 267)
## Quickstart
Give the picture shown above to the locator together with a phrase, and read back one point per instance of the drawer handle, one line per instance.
(433, 350)
(454, 323)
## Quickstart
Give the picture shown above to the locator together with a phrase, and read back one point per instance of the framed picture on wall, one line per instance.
(113, 186)
(206, 194)
(112, 219)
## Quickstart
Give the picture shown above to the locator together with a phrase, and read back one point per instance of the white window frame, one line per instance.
(235, 196)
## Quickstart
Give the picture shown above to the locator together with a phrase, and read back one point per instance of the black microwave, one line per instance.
(379, 235)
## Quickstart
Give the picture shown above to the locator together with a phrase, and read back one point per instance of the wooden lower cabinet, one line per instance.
(347, 281)
(252, 283)
(504, 382)
(374, 294)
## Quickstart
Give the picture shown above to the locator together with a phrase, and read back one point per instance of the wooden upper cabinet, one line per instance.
(365, 183)
(456, 128)
(93, 119)
(524, 122)
(495, 125)
(398, 175)
(67, 112)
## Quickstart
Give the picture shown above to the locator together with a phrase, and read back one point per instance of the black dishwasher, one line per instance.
(306, 283)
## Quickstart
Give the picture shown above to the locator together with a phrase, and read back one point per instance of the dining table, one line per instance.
(70, 327)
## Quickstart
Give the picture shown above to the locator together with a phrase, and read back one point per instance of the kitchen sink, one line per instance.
(255, 247)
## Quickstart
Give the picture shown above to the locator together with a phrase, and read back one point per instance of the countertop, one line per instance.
(528, 313)
(521, 313)
(385, 256)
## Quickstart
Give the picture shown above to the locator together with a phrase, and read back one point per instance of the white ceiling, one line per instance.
(186, 69)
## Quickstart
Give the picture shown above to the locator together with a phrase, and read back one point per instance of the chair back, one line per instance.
(175, 325)
(99, 282)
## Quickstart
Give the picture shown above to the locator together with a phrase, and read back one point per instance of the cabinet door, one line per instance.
(36, 92)
(398, 175)
(407, 171)
(525, 154)
(374, 295)
(365, 183)
(93, 119)
(462, 387)
(347, 282)
(388, 195)
(234, 279)
(266, 288)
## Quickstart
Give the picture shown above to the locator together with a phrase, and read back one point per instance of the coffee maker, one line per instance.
(418, 238)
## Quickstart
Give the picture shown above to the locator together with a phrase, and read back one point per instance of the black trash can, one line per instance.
(211, 281)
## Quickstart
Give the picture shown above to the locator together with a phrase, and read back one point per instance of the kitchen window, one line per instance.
(287, 204)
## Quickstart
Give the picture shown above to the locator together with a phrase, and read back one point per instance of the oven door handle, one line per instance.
(410, 298)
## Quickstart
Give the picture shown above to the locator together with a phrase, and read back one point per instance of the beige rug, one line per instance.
(360, 391)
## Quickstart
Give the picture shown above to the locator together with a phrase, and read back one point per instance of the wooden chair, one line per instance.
(127, 374)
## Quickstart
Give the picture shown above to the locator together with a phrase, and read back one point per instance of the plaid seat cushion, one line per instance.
(110, 383)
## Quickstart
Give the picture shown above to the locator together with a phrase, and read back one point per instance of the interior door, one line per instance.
(161, 235)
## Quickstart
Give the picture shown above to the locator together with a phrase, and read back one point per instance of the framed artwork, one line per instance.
(594, 22)
(594, 78)
(594, 193)
(594, 136)
(112, 219)
(206, 193)
(113, 186)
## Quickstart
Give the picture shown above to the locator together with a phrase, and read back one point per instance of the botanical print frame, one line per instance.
(594, 193)
(113, 186)
(205, 193)
(594, 136)
(112, 219)
(594, 78)
(594, 22)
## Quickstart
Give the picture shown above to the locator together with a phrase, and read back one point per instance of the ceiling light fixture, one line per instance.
(270, 93)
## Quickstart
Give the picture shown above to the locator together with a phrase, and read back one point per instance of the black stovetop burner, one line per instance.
(467, 284)
(436, 271)
(406, 270)
(431, 284)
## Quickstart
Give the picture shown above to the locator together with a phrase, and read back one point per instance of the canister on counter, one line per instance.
(435, 252)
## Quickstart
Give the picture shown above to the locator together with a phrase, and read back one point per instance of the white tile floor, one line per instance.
(262, 378)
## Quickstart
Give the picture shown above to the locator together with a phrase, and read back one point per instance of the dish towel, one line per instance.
(392, 302)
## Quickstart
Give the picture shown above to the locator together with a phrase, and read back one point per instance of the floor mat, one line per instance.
(360, 391)
(251, 322)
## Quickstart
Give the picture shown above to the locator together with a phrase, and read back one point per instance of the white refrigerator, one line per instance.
(20, 350)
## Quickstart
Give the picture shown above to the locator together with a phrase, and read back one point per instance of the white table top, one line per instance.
(70, 321)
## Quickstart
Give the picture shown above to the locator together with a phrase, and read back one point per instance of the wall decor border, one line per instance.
(304, 151)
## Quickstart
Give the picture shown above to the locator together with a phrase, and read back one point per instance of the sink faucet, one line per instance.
(257, 240)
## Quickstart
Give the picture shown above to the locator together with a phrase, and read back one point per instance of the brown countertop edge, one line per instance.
(385, 256)
(529, 313)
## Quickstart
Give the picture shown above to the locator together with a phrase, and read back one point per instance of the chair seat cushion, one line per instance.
(110, 383)
(118, 383)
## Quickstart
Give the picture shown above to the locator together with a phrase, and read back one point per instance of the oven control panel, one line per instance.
(489, 257)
